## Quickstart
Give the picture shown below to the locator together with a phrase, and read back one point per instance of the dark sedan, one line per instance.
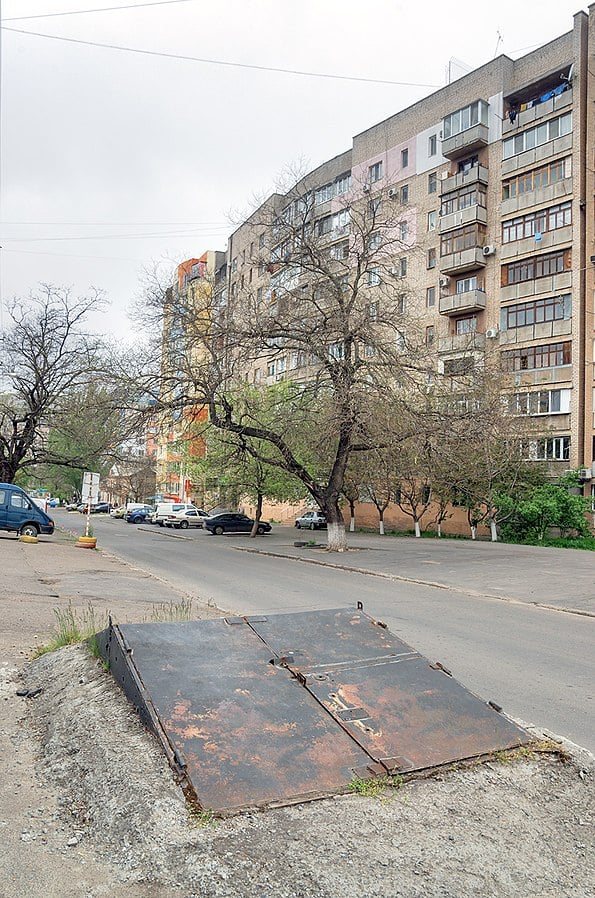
(233, 522)
(138, 515)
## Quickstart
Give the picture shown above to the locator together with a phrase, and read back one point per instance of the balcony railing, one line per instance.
(465, 141)
(465, 260)
(469, 215)
(457, 303)
(477, 174)
(462, 343)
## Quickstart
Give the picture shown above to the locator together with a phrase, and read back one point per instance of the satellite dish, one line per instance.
(568, 77)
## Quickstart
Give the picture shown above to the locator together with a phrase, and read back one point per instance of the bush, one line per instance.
(548, 506)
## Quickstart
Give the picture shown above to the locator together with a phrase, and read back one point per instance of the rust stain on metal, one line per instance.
(271, 710)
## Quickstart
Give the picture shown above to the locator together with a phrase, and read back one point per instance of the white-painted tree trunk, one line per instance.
(381, 528)
(493, 531)
(417, 529)
(439, 531)
(352, 524)
(336, 537)
(473, 531)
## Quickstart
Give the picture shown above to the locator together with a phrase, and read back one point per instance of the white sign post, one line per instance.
(91, 493)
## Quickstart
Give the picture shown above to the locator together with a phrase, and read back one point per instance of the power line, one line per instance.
(124, 224)
(221, 62)
(30, 252)
(178, 233)
(79, 12)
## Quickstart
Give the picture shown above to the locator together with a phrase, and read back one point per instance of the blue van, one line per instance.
(20, 513)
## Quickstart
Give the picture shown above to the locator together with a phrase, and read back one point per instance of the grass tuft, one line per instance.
(375, 786)
(198, 817)
(167, 612)
(74, 625)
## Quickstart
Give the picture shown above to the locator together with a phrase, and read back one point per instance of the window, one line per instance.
(259, 295)
(18, 501)
(430, 297)
(528, 358)
(429, 335)
(343, 184)
(548, 449)
(466, 325)
(261, 240)
(401, 300)
(456, 241)
(538, 177)
(375, 172)
(403, 231)
(432, 145)
(375, 241)
(340, 250)
(433, 182)
(467, 117)
(271, 369)
(374, 206)
(539, 402)
(536, 137)
(553, 308)
(432, 221)
(465, 285)
(536, 267)
(234, 263)
(337, 351)
(402, 267)
(373, 311)
(431, 259)
(469, 196)
(250, 276)
(374, 276)
(324, 194)
(341, 219)
(324, 225)
(453, 367)
(404, 194)
(534, 223)
(404, 158)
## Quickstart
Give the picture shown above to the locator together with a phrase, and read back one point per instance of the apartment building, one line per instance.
(491, 183)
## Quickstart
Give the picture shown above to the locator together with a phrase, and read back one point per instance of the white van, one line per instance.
(164, 509)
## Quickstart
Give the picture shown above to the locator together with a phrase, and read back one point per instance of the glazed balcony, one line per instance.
(477, 174)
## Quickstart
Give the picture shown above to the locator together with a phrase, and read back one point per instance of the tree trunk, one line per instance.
(257, 516)
(493, 530)
(417, 530)
(335, 527)
(473, 531)
(439, 529)
(351, 516)
(381, 524)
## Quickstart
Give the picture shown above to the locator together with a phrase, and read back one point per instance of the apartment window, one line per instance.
(465, 285)
(261, 240)
(324, 194)
(252, 250)
(547, 449)
(259, 295)
(429, 335)
(404, 194)
(474, 114)
(470, 196)
(539, 402)
(467, 325)
(432, 221)
(336, 351)
(433, 182)
(343, 184)
(341, 219)
(374, 276)
(403, 231)
(534, 223)
(432, 145)
(403, 267)
(271, 369)
(324, 225)
(375, 241)
(250, 276)
(405, 157)
(536, 267)
(234, 263)
(281, 365)
(375, 172)
(400, 341)
(373, 311)
(536, 178)
(454, 367)
(528, 358)
(536, 137)
(374, 206)
(430, 297)
(456, 241)
(340, 251)
(401, 300)
(243, 256)
(431, 258)
(369, 351)
(553, 308)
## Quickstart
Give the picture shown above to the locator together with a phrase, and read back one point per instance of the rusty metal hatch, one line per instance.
(280, 708)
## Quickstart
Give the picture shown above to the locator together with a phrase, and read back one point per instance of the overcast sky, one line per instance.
(111, 159)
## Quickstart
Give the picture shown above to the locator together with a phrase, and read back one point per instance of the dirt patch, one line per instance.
(107, 807)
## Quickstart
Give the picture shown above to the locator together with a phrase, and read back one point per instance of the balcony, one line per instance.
(536, 112)
(464, 142)
(458, 303)
(466, 260)
(462, 343)
(461, 217)
(477, 174)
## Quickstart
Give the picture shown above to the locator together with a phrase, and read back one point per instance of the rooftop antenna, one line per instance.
(498, 42)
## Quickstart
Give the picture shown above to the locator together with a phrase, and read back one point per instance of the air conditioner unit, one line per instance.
(584, 474)
(393, 192)
(444, 281)
(492, 332)
(489, 249)
(366, 188)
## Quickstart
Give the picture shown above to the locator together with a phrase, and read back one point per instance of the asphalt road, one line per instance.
(537, 663)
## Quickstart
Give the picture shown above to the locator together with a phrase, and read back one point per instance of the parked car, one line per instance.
(164, 510)
(20, 514)
(118, 512)
(233, 522)
(101, 508)
(139, 515)
(188, 517)
(311, 520)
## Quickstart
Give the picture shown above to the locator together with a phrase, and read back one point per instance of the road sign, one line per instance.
(90, 491)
